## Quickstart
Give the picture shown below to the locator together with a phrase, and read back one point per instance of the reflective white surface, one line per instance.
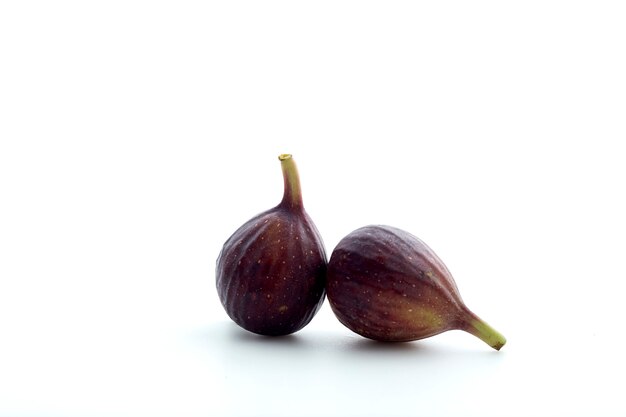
(136, 137)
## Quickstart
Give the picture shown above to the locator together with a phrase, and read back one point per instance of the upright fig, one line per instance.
(271, 272)
(388, 285)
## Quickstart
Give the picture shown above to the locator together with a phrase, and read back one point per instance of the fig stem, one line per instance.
(292, 196)
(479, 328)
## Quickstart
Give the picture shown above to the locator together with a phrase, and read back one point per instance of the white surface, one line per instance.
(136, 136)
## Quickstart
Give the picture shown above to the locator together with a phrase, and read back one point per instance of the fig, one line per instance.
(386, 284)
(271, 273)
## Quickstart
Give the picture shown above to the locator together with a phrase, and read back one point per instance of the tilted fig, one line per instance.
(386, 284)
(271, 272)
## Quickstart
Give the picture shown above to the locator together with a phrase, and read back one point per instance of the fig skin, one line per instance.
(386, 284)
(271, 273)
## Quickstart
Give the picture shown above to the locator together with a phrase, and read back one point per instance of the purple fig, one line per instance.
(271, 273)
(386, 284)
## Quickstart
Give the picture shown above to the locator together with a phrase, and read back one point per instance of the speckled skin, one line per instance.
(386, 284)
(271, 272)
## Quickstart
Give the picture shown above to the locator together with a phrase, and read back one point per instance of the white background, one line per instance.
(135, 137)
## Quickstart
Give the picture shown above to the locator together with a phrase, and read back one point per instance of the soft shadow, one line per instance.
(235, 351)
(239, 335)
(367, 345)
(358, 348)
(229, 336)
(426, 348)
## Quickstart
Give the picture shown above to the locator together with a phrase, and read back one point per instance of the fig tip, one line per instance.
(498, 345)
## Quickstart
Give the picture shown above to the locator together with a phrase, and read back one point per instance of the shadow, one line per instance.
(373, 346)
(228, 336)
(229, 339)
(239, 335)
(429, 349)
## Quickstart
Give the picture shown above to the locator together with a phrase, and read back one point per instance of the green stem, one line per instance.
(292, 196)
(476, 326)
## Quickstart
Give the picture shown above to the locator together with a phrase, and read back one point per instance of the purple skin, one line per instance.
(271, 273)
(385, 284)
